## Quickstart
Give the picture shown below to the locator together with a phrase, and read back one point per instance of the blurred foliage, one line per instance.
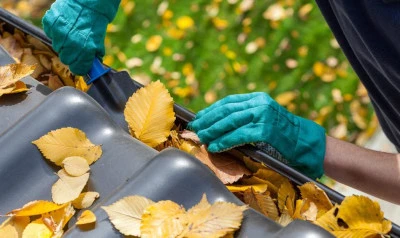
(203, 50)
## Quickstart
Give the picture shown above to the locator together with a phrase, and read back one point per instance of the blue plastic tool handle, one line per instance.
(98, 69)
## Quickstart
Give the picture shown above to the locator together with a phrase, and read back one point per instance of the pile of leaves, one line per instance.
(10, 78)
(49, 70)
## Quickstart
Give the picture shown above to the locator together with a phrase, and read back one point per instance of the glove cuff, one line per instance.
(310, 148)
(108, 8)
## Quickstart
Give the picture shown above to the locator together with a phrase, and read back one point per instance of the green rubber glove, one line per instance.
(256, 117)
(77, 29)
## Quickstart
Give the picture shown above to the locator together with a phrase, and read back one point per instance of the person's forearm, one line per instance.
(373, 172)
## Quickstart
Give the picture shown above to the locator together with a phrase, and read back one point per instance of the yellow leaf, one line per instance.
(219, 23)
(13, 227)
(328, 220)
(184, 22)
(54, 82)
(259, 188)
(153, 43)
(305, 210)
(285, 98)
(271, 176)
(313, 193)
(85, 200)
(36, 208)
(12, 73)
(255, 180)
(285, 219)
(68, 188)
(217, 220)
(150, 114)
(62, 71)
(65, 142)
(86, 217)
(252, 165)
(19, 87)
(126, 214)
(75, 165)
(37, 229)
(163, 219)
(56, 220)
(7, 90)
(80, 84)
(286, 197)
(262, 203)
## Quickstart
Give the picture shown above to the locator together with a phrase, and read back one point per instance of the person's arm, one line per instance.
(376, 173)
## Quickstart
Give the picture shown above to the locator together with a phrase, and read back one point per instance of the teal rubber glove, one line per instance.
(77, 29)
(256, 117)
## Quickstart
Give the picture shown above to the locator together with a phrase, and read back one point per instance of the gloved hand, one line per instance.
(77, 29)
(256, 117)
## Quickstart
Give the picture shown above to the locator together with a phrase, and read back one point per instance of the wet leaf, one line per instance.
(149, 114)
(68, 188)
(126, 214)
(65, 142)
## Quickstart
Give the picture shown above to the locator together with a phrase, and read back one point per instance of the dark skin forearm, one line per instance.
(376, 173)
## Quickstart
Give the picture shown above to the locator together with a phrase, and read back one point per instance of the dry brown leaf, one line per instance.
(62, 71)
(85, 200)
(163, 219)
(36, 208)
(12, 73)
(227, 169)
(75, 165)
(316, 195)
(13, 227)
(126, 214)
(68, 188)
(65, 142)
(262, 203)
(12, 46)
(37, 229)
(87, 217)
(150, 115)
(54, 82)
(217, 220)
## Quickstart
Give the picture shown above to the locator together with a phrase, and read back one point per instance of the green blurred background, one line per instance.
(203, 50)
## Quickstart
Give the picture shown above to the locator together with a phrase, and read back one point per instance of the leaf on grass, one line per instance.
(215, 220)
(36, 208)
(65, 142)
(316, 195)
(37, 229)
(13, 227)
(227, 169)
(150, 115)
(262, 203)
(163, 219)
(87, 217)
(286, 197)
(75, 165)
(259, 188)
(12, 73)
(68, 188)
(126, 214)
(85, 200)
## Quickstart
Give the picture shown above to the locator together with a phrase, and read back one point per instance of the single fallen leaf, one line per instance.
(285, 219)
(190, 135)
(68, 188)
(13, 227)
(227, 169)
(19, 87)
(85, 200)
(316, 195)
(36, 208)
(150, 115)
(217, 220)
(37, 229)
(126, 214)
(87, 217)
(259, 188)
(262, 203)
(163, 219)
(12, 73)
(75, 165)
(65, 142)
(286, 197)
(80, 84)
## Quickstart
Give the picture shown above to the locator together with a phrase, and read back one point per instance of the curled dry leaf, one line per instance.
(65, 142)
(14, 226)
(227, 169)
(150, 115)
(163, 219)
(262, 203)
(87, 217)
(286, 198)
(10, 76)
(37, 207)
(85, 200)
(68, 188)
(75, 165)
(126, 214)
(313, 193)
